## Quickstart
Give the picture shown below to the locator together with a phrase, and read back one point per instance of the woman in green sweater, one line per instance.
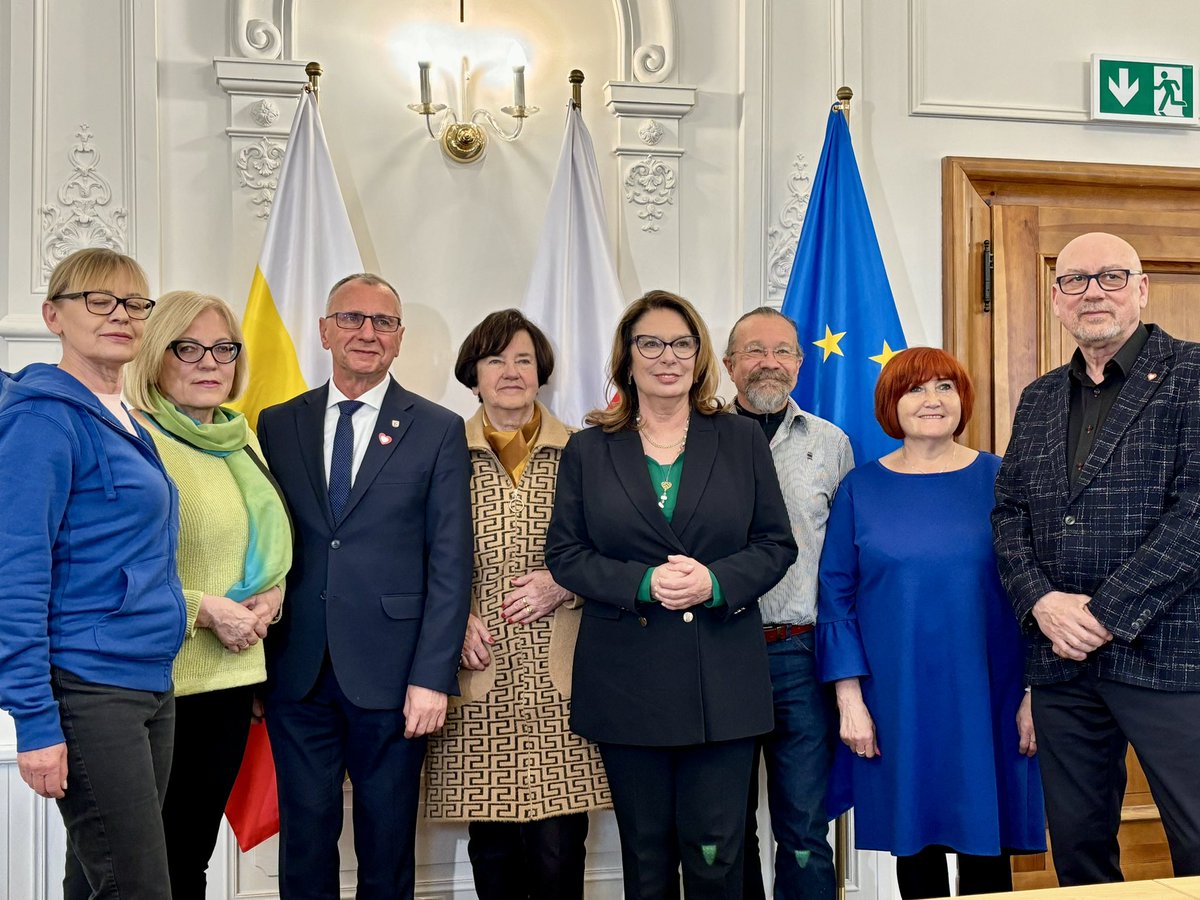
(234, 551)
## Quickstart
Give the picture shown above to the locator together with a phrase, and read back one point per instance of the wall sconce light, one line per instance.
(466, 142)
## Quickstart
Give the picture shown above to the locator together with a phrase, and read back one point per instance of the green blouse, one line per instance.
(665, 480)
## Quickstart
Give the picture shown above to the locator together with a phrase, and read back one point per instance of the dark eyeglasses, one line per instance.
(352, 320)
(224, 352)
(101, 303)
(652, 348)
(1109, 280)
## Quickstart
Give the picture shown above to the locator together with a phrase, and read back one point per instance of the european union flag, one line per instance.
(838, 296)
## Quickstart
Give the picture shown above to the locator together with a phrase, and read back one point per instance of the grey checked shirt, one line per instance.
(811, 458)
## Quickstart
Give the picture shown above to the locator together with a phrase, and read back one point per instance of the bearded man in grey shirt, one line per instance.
(811, 455)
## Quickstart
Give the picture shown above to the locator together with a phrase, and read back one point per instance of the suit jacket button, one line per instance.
(335, 543)
(1069, 520)
(687, 616)
(642, 621)
(323, 595)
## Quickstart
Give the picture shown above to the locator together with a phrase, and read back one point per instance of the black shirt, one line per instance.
(1091, 402)
(770, 422)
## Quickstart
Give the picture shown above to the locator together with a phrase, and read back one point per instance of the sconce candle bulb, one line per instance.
(426, 93)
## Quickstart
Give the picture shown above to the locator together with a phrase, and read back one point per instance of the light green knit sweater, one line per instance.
(213, 533)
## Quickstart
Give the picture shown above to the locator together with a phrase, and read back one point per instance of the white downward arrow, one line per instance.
(1123, 91)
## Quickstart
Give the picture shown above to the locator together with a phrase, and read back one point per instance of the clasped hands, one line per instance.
(1072, 629)
(239, 626)
(534, 595)
(680, 583)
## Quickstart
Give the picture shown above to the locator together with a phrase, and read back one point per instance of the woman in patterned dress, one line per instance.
(506, 761)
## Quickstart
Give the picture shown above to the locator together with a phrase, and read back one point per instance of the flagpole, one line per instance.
(576, 80)
(841, 829)
(314, 72)
(844, 96)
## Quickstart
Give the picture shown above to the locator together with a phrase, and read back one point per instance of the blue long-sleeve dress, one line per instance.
(911, 603)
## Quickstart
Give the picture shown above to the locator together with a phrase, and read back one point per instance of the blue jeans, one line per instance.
(798, 755)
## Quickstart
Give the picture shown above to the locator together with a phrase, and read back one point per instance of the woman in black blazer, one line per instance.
(669, 522)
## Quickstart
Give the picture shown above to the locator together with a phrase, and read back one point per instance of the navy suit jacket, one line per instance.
(1127, 533)
(643, 674)
(388, 588)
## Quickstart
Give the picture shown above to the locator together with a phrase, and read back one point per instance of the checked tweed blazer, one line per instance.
(1127, 533)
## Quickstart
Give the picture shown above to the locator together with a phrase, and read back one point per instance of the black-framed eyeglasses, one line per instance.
(1109, 280)
(224, 352)
(101, 303)
(353, 320)
(782, 354)
(652, 347)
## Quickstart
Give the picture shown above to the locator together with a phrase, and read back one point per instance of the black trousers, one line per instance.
(540, 860)
(1083, 727)
(118, 762)
(681, 807)
(210, 739)
(315, 742)
(925, 874)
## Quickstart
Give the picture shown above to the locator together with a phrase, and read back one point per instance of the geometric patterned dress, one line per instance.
(506, 753)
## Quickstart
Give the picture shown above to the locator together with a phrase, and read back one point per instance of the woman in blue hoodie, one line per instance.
(92, 613)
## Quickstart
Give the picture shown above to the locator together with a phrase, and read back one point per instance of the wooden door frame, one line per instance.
(968, 181)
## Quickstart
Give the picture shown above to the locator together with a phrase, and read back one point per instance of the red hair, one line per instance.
(914, 366)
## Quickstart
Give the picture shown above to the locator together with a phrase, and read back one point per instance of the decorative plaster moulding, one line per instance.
(262, 29)
(647, 39)
(783, 237)
(922, 104)
(664, 101)
(81, 218)
(649, 186)
(260, 92)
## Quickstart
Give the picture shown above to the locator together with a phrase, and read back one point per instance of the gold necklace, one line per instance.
(681, 443)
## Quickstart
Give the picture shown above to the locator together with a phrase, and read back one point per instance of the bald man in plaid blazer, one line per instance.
(1097, 532)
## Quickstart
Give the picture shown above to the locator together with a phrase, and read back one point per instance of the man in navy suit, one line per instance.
(1097, 531)
(360, 666)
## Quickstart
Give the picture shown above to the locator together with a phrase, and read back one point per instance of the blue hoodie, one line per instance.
(88, 525)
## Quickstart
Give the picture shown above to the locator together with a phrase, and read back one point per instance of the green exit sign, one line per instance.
(1146, 91)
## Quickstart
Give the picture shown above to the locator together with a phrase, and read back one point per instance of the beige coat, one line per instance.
(506, 752)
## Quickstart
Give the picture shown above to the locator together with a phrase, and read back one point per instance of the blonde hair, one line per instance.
(93, 268)
(173, 315)
(623, 411)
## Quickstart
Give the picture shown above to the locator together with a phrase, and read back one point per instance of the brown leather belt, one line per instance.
(773, 633)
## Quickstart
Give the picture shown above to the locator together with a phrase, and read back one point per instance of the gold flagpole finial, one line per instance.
(313, 71)
(844, 96)
(576, 80)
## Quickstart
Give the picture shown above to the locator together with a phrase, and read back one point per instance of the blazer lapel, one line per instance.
(384, 439)
(1055, 426)
(310, 437)
(1146, 377)
(625, 449)
(701, 453)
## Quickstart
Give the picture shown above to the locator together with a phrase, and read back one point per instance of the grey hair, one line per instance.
(763, 311)
(368, 278)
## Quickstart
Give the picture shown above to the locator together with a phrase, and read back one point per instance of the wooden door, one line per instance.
(998, 321)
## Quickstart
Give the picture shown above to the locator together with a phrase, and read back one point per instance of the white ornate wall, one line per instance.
(708, 118)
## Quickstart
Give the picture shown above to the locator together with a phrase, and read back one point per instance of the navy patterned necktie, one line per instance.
(342, 462)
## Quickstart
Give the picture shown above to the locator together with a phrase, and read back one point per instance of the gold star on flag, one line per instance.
(829, 343)
(885, 355)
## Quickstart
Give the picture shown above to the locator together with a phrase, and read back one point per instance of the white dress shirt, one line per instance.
(364, 420)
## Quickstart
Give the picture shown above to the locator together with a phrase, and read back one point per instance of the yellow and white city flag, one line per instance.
(308, 247)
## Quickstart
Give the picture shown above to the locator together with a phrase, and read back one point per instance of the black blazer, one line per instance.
(388, 588)
(643, 674)
(1127, 533)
